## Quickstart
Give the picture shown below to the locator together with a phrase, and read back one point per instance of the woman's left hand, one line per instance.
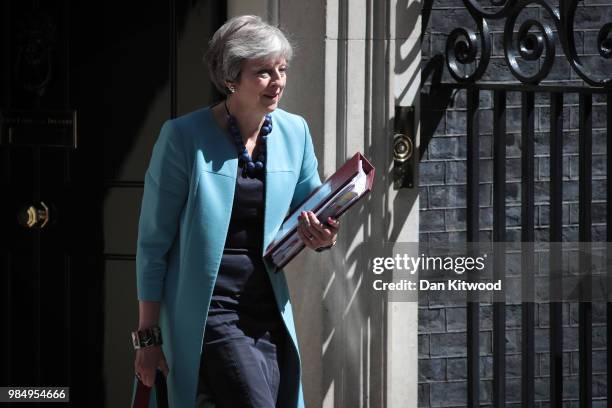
(313, 233)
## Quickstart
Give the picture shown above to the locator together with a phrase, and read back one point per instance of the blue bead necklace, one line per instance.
(250, 167)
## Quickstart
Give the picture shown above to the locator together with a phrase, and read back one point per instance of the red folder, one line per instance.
(351, 182)
(143, 393)
(142, 397)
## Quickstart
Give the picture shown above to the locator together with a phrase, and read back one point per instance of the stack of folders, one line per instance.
(340, 191)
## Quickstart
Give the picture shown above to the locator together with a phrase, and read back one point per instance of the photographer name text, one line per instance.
(426, 285)
(405, 264)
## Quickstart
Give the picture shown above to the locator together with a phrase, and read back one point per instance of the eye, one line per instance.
(264, 73)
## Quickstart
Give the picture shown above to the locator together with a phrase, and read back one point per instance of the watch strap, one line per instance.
(148, 337)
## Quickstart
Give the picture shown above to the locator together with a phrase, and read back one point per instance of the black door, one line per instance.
(84, 88)
(50, 212)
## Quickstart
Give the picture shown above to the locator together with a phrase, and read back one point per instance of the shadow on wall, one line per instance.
(434, 100)
(354, 334)
(407, 17)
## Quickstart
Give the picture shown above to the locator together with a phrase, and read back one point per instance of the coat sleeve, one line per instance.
(166, 187)
(309, 175)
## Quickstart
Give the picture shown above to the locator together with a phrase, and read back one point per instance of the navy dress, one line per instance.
(241, 364)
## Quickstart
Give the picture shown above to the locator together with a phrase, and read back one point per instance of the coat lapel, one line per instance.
(271, 152)
(280, 183)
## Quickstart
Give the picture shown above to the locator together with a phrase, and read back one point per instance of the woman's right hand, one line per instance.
(148, 359)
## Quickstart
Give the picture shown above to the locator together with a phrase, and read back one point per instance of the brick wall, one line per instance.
(442, 329)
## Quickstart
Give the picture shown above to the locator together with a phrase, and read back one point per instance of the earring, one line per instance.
(231, 88)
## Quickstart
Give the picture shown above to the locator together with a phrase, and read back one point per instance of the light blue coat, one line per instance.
(186, 208)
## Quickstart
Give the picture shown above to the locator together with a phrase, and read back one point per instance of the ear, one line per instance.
(230, 86)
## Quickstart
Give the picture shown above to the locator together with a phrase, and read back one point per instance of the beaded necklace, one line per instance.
(250, 167)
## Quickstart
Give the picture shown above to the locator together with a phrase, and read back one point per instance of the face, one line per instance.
(261, 84)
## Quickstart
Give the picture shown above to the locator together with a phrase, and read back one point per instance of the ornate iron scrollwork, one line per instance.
(566, 26)
(604, 41)
(535, 40)
(530, 45)
(462, 48)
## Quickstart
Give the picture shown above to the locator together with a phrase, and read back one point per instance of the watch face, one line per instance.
(146, 339)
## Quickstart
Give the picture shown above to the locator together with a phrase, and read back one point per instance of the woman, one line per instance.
(218, 186)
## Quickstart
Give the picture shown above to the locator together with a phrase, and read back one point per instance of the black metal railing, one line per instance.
(533, 41)
(528, 235)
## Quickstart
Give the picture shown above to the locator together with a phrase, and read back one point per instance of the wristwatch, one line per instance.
(147, 337)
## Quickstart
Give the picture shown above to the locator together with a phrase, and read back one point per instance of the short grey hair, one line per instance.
(239, 39)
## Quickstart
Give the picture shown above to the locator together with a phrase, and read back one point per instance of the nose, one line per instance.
(276, 76)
